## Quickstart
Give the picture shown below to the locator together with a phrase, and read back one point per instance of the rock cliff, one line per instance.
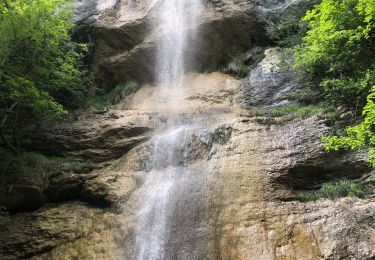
(127, 34)
(235, 175)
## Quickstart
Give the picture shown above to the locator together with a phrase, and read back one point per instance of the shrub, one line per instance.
(307, 196)
(308, 111)
(296, 111)
(236, 68)
(358, 136)
(267, 121)
(31, 167)
(113, 96)
(122, 90)
(283, 111)
(81, 169)
(350, 91)
(337, 49)
(342, 188)
(255, 111)
(241, 64)
(42, 72)
(287, 30)
(305, 96)
(334, 190)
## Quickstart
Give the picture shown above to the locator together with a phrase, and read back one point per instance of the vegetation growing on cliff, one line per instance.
(241, 64)
(338, 50)
(287, 30)
(3, 214)
(334, 190)
(113, 96)
(34, 168)
(338, 54)
(42, 73)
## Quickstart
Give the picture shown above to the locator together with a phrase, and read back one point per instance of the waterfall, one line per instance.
(178, 23)
(178, 26)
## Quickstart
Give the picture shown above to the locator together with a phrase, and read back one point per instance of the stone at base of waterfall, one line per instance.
(269, 230)
(26, 235)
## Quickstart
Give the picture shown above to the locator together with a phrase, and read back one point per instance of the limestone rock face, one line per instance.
(325, 230)
(269, 84)
(128, 32)
(232, 196)
(66, 186)
(96, 136)
(234, 177)
(269, 8)
(28, 234)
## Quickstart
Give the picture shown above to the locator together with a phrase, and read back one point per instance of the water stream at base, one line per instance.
(178, 26)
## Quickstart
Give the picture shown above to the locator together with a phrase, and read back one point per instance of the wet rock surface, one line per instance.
(233, 181)
(128, 32)
(233, 177)
(233, 186)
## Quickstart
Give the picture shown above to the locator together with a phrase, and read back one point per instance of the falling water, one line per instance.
(178, 21)
(178, 25)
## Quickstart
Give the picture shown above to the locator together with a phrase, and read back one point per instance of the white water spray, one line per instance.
(178, 27)
(178, 23)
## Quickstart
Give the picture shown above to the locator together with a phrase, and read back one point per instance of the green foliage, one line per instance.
(305, 96)
(3, 214)
(241, 64)
(113, 96)
(287, 30)
(32, 168)
(308, 111)
(334, 190)
(283, 111)
(358, 136)
(338, 49)
(307, 196)
(349, 91)
(282, 115)
(81, 169)
(42, 73)
(236, 67)
(255, 111)
(338, 54)
(122, 90)
(22, 90)
(297, 111)
(269, 121)
(342, 188)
